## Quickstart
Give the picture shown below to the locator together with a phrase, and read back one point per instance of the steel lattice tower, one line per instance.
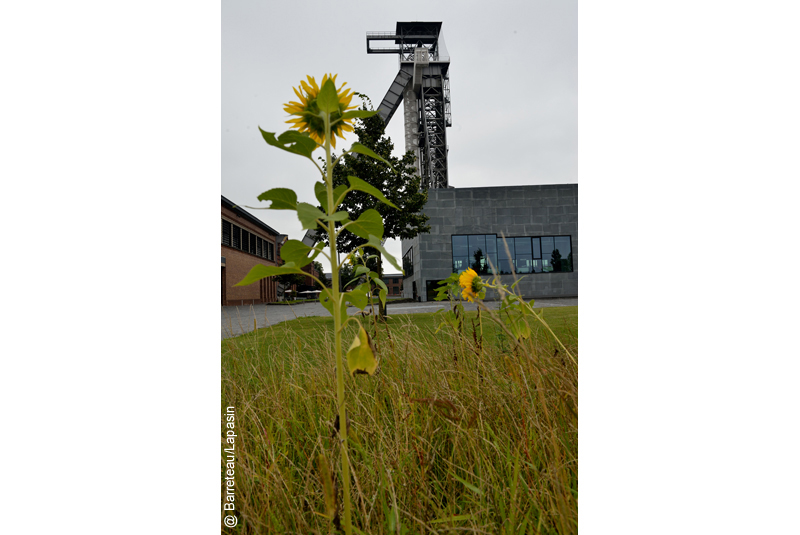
(423, 84)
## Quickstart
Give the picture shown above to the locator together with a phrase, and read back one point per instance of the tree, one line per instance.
(401, 187)
(290, 279)
(479, 266)
(345, 275)
(322, 278)
(555, 260)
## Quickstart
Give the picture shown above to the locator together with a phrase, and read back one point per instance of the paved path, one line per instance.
(239, 319)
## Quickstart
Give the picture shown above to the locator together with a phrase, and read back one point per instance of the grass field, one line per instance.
(456, 433)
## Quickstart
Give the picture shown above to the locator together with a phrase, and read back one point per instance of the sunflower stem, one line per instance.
(337, 327)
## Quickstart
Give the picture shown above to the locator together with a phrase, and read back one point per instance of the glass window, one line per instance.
(460, 246)
(522, 245)
(562, 254)
(235, 237)
(522, 250)
(259, 246)
(491, 260)
(519, 254)
(506, 257)
(522, 254)
(547, 247)
(226, 232)
(460, 263)
(524, 263)
(408, 263)
(477, 254)
(491, 243)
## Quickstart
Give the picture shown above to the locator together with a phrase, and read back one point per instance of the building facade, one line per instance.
(246, 242)
(394, 283)
(526, 232)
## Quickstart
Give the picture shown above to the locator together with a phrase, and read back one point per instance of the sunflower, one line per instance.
(307, 112)
(471, 282)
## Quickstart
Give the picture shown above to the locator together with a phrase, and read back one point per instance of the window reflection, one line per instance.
(536, 246)
(520, 254)
(562, 254)
(505, 253)
(523, 258)
(477, 251)
(460, 246)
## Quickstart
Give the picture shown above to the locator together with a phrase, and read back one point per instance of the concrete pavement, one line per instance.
(238, 320)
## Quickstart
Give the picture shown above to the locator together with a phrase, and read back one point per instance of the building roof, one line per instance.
(310, 238)
(247, 215)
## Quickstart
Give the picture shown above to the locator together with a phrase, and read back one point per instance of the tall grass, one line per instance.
(456, 433)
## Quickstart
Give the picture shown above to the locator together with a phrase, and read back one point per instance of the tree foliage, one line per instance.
(321, 276)
(290, 279)
(402, 186)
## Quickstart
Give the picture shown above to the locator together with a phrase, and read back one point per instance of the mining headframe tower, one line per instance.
(423, 85)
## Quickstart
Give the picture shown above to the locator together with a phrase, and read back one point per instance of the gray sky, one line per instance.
(513, 87)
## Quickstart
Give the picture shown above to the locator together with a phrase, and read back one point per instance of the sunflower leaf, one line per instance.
(296, 252)
(358, 296)
(282, 199)
(291, 141)
(361, 149)
(321, 193)
(328, 100)
(308, 215)
(360, 185)
(369, 222)
(378, 282)
(260, 271)
(326, 298)
(382, 294)
(337, 194)
(358, 114)
(338, 216)
(361, 355)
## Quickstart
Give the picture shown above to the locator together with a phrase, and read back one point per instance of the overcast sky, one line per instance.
(513, 87)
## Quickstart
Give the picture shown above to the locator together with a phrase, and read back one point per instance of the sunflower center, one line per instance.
(476, 284)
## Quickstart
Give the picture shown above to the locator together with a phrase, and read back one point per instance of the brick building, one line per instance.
(394, 283)
(246, 242)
